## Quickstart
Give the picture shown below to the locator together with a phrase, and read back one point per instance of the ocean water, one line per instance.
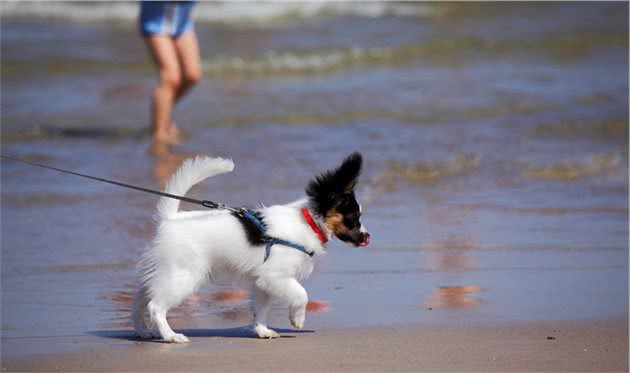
(495, 139)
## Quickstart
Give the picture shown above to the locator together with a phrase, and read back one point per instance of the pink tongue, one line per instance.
(366, 242)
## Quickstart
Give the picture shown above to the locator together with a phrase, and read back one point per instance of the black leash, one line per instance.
(244, 213)
(204, 203)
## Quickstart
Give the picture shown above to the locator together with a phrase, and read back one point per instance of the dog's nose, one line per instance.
(366, 239)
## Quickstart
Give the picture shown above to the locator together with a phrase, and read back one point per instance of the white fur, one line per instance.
(191, 247)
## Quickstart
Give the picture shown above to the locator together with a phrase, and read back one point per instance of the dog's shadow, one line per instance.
(238, 332)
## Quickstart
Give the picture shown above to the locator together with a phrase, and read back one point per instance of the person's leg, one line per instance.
(187, 48)
(165, 56)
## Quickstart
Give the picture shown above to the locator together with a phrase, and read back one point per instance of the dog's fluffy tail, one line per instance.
(190, 173)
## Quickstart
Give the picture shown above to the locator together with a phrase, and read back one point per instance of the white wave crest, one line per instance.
(292, 62)
(265, 14)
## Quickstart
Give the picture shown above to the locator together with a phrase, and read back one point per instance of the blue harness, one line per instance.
(254, 217)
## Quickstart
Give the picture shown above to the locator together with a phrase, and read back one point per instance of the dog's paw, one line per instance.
(265, 333)
(177, 338)
(297, 319)
(297, 314)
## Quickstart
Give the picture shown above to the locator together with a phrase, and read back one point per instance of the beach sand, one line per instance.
(495, 183)
(534, 346)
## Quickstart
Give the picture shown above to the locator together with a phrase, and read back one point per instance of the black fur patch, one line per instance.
(254, 235)
(348, 207)
(329, 189)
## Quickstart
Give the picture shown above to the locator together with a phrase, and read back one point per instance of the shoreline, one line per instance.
(523, 346)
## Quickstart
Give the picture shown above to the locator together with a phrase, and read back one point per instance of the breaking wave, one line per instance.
(614, 130)
(265, 14)
(571, 170)
(425, 172)
(312, 61)
(441, 51)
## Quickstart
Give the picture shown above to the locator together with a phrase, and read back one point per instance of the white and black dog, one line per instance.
(268, 250)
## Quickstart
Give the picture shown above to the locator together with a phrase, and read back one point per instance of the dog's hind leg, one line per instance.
(261, 306)
(181, 283)
(158, 316)
(140, 314)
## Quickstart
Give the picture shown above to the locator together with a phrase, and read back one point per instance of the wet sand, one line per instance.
(537, 346)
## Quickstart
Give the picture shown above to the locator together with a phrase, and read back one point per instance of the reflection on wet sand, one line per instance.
(229, 295)
(451, 256)
(316, 306)
(227, 304)
(119, 303)
(165, 162)
(454, 297)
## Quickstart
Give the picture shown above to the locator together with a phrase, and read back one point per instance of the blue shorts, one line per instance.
(165, 17)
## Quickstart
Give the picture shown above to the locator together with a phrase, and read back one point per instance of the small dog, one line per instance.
(192, 247)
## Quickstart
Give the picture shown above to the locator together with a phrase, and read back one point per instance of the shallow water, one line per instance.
(495, 138)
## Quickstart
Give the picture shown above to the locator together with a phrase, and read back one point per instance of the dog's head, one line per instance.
(331, 197)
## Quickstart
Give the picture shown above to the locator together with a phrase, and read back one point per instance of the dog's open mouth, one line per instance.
(366, 241)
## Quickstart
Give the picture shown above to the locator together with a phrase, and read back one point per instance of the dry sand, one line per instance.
(578, 346)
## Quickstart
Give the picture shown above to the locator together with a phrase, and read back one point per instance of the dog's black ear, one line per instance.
(347, 175)
(325, 189)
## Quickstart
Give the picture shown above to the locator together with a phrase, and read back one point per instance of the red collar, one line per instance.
(311, 222)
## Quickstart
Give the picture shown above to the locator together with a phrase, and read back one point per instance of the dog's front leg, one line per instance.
(297, 298)
(290, 290)
(261, 306)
